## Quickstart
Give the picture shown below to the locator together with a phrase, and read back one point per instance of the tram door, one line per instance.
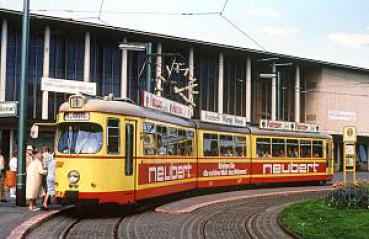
(130, 148)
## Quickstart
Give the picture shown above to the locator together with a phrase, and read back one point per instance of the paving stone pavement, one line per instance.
(254, 217)
(11, 216)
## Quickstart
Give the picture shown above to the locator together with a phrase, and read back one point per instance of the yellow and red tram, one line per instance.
(115, 151)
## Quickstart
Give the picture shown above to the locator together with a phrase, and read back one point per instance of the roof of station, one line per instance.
(159, 36)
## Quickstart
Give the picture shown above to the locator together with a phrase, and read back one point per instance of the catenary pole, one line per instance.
(148, 66)
(21, 170)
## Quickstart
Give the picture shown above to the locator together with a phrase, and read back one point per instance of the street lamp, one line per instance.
(139, 46)
(22, 123)
(275, 85)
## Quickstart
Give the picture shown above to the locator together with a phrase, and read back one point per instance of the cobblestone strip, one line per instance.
(252, 217)
(27, 226)
(192, 204)
(248, 218)
(94, 228)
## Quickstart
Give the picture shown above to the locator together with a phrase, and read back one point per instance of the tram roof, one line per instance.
(220, 127)
(271, 132)
(130, 109)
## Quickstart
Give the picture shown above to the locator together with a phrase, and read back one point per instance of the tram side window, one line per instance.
(113, 136)
(226, 145)
(292, 148)
(305, 148)
(172, 141)
(149, 142)
(240, 145)
(211, 145)
(278, 148)
(263, 147)
(185, 141)
(317, 149)
(161, 138)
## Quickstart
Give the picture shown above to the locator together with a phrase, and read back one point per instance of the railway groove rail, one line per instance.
(251, 217)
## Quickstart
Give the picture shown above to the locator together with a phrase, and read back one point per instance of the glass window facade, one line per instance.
(234, 102)
(35, 66)
(206, 71)
(66, 62)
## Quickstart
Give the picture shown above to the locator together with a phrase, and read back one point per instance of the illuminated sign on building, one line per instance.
(162, 104)
(68, 86)
(8, 109)
(292, 126)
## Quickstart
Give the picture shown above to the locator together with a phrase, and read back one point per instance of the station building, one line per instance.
(331, 95)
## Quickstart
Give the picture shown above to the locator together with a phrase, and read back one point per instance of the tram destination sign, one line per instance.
(218, 118)
(168, 106)
(8, 109)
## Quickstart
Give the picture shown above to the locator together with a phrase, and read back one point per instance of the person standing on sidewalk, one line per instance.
(29, 154)
(2, 178)
(45, 162)
(50, 180)
(13, 170)
(34, 180)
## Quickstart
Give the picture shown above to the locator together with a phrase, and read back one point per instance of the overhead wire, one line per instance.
(100, 12)
(127, 13)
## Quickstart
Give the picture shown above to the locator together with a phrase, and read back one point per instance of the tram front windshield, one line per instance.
(83, 138)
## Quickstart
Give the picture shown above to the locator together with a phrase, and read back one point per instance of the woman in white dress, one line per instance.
(33, 182)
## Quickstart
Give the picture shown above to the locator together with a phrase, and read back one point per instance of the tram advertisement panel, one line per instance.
(273, 168)
(166, 172)
(220, 169)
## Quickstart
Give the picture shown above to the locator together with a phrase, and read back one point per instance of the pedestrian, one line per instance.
(50, 181)
(47, 156)
(2, 178)
(45, 162)
(13, 163)
(33, 182)
(29, 154)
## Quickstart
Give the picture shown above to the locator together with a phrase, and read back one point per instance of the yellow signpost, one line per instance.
(349, 152)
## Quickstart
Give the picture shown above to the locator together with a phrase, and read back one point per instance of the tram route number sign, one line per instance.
(8, 109)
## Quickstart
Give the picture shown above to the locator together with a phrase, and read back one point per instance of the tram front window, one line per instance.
(83, 138)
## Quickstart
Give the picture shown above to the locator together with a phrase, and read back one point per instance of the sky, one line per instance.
(330, 30)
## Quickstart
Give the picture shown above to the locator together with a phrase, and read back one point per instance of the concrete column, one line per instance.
(86, 67)
(297, 94)
(46, 69)
(4, 43)
(11, 141)
(367, 156)
(274, 93)
(220, 83)
(124, 72)
(248, 89)
(158, 87)
(338, 158)
(191, 74)
(191, 63)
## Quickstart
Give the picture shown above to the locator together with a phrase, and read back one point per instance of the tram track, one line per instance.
(255, 218)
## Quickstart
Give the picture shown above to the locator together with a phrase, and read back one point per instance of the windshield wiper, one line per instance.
(84, 144)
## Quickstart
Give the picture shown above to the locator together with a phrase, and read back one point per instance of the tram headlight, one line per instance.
(73, 176)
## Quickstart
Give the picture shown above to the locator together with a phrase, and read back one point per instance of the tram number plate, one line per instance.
(76, 116)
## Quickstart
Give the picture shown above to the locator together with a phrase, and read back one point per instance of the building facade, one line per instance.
(306, 90)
